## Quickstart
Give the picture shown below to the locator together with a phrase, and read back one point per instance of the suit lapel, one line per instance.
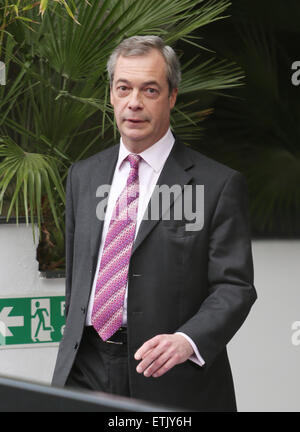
(103, 175)
(175, 172)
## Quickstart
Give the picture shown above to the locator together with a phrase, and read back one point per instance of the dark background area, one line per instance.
(256, 127)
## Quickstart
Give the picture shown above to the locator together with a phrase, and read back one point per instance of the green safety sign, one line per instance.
(31, 320)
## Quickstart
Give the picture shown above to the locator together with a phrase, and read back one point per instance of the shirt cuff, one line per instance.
(196, 357)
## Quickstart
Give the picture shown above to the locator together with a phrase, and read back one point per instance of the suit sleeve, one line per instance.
(230, 273)
(69, 238)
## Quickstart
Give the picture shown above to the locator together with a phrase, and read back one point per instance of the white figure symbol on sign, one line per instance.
(2, 333)
(40, 320)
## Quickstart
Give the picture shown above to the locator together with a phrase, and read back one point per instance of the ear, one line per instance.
(173, 97)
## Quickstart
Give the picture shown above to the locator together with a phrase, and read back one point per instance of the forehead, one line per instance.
(150, 66)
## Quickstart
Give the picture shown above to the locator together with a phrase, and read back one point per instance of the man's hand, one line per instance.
(159, 354)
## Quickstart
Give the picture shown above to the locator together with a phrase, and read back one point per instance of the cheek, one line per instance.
(161, 112)
(117, 110)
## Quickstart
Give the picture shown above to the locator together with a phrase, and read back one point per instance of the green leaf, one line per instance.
(33, 175)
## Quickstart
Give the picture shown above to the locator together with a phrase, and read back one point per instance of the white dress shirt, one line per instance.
(150, 167)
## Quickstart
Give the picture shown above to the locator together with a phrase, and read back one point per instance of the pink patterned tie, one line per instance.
(112, 278)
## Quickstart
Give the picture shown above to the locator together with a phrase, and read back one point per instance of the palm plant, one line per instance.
(55, 107)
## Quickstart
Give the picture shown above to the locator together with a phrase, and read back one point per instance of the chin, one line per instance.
(136, 136)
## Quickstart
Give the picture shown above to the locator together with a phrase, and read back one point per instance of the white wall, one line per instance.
(265, 363)
(19, 276)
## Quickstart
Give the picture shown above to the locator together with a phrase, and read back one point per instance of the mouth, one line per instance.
(134, 121)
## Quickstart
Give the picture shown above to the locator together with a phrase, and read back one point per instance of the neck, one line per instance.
(140, 146)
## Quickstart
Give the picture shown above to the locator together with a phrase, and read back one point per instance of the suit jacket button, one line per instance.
(76, 346)
(82, 309)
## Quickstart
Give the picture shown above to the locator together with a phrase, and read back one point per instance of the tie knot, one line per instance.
(134, 160)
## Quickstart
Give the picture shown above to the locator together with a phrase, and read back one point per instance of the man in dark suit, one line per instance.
(151, 304)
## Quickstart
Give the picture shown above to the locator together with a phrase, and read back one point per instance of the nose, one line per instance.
(135, 101)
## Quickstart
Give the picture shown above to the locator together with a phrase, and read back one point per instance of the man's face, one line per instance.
(141, 100)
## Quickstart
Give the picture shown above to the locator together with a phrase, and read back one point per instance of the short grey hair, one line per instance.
(141, 45)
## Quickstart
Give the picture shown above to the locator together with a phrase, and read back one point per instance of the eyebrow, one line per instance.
(146, 83)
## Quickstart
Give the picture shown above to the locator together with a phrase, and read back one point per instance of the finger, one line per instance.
(147, 346)
(157, 364)
(151, 356)
(140, 367)
(165, 367)
(148, 352)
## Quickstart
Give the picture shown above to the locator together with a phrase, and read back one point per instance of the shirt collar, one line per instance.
(155, 156)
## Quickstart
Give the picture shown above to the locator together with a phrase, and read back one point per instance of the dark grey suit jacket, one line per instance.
(197, 282)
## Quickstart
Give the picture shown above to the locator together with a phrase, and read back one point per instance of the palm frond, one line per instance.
(32, 175)
(210, 75)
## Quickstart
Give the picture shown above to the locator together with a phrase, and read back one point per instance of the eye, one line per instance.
(123, 90)
(151, 90)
